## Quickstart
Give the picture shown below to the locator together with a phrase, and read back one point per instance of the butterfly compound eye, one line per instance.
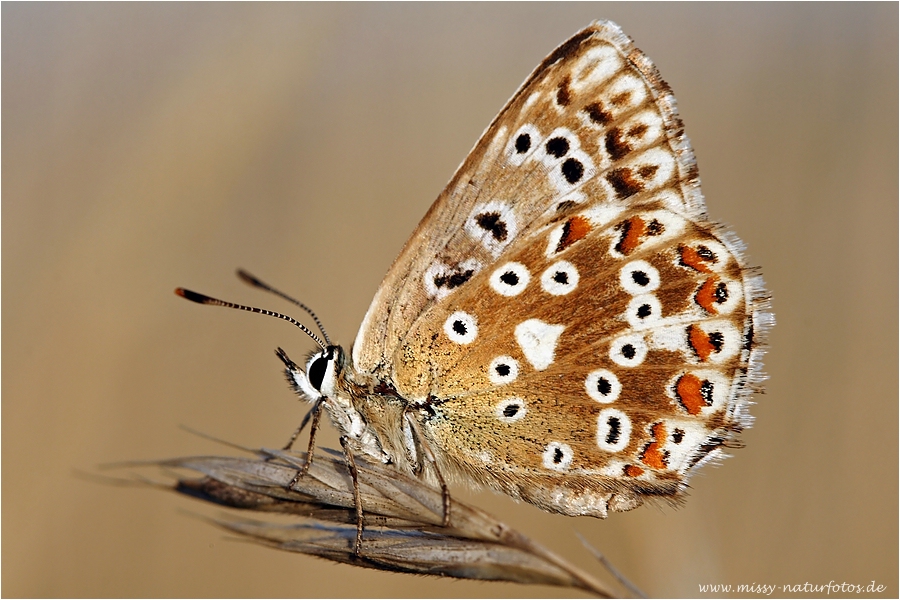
(317, 368)
(316, 372)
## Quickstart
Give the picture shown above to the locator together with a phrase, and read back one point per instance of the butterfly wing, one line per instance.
(582, 336)
(442, 254)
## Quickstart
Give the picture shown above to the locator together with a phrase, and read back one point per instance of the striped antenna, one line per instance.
(251, 280)
(203, 299)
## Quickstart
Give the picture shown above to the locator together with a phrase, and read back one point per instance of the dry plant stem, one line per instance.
(517, 540)
(402, 517)
(357, 500)
(635, 591)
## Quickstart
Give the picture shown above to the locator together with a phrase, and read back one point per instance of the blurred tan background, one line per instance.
(148, 146)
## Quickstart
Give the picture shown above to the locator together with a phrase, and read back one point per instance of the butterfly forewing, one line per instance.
(588, 85)
(580, 334)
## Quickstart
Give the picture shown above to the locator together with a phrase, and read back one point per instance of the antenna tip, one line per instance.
(248, 278)
(192, 296)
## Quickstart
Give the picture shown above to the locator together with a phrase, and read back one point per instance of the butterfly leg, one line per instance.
(300, 429)
(354, 475)
(316, 413)
(445, 491)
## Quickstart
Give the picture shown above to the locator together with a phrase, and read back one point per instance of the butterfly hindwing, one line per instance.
(625, 369)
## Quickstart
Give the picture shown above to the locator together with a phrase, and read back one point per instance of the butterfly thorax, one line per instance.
(367, 410)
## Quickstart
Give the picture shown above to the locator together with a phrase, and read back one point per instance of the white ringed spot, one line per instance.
(461, 327)
(575, 169)
(639, 277)
(706, 255)
(613, 430)
(503, 369)
(511, 410)
(560, 278)
(523, 143)
(628, 350)
(700, 391)
(510, 279)
(643, 311)
(719, 296)
(493, 224)
(537, 340)
(603, 386)
(560, 144)
(557, 456)
(713, 341)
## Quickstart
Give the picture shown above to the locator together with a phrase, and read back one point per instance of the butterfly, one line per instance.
(565, 325)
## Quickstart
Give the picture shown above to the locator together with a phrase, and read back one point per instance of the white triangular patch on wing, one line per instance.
(537, 340)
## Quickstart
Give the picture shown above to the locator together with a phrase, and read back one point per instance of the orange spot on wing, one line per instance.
(633, 471)
(574, 229)
(653, 456)
(689, 393)
(701, 343)
(706, 295)
(632, 230)
(691, 258)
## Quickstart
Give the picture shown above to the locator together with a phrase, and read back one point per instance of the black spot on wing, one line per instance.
(615, 430)
(523, 143)
(597, 114)
(460, 327)
(492, 223)
(510, 278)
(557, 147)
(453, 280)
(572, 170)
